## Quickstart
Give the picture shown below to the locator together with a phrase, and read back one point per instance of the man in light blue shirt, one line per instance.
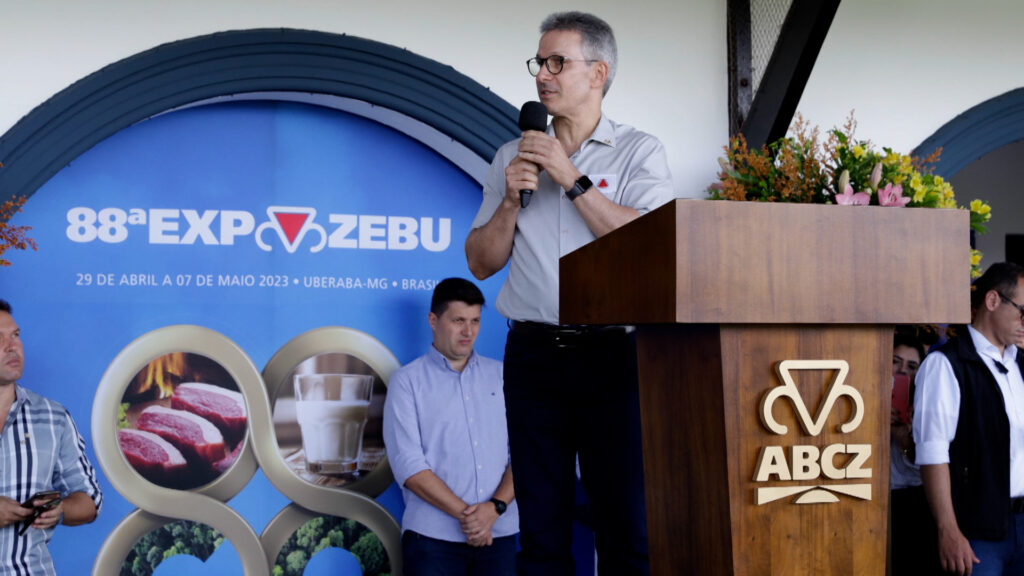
(444, 428)
(40, 450)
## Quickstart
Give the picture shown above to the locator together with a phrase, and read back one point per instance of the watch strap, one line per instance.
(499, 506)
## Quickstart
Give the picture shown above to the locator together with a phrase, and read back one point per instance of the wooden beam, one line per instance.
(785, 77)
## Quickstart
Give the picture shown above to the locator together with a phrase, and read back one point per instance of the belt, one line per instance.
(1017, 505)
(567, 333)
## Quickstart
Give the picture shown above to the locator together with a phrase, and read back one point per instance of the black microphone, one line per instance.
(533, 116)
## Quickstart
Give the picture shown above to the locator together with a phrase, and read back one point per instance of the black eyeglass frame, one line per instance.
(1014, 304)
(546, 63)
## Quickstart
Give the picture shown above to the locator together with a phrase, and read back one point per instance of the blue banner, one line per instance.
(260, 230)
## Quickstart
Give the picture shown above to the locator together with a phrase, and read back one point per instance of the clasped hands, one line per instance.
(476, 522)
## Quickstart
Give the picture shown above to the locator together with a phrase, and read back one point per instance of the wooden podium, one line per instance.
(765, 346)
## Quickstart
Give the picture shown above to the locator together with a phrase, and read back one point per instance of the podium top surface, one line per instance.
(700, 261)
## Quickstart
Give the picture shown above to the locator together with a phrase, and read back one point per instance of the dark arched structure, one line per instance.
(986, 127)
(242, 62)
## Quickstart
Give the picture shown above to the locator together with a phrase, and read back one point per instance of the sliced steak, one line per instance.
(152, 456)
(221, 466)
(198, 439)
(225, 408)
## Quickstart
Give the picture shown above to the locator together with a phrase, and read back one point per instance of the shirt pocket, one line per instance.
(607, 184)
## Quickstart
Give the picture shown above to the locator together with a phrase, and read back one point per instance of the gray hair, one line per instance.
(598, 38)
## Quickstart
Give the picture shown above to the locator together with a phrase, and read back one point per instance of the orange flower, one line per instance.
(13, 237)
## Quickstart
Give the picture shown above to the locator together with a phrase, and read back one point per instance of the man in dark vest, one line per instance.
(969, 429)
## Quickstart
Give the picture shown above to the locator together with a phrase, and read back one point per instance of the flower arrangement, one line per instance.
(15, 237)
(841, 170)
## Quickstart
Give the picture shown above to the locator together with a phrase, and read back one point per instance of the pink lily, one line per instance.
(892, 195)
(876, 176)
(848, 198)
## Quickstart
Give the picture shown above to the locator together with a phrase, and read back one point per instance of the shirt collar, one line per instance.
(21, 396)
(438, 358)
(986, 348)
(604, 133)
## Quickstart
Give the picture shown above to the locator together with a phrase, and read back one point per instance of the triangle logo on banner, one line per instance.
(603, 183)
(291, 223)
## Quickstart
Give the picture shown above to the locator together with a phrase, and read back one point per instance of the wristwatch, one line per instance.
(581, 186)
(499, 506)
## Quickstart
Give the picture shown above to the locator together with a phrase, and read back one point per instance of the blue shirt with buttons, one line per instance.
(453, 424)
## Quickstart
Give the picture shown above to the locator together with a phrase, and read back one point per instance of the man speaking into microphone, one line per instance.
(569, 390)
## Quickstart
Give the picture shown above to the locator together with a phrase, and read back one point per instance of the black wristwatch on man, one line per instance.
(582, 185)
(499, 506)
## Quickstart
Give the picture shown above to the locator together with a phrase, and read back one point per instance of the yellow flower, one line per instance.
(915, 182)
(858, 151)
(975, 263)
(980, 207)
(918, 196)
(891, 159)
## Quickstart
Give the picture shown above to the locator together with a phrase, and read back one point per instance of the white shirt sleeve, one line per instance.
(936, 409)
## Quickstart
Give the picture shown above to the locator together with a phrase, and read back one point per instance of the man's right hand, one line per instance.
(11, 512)
(955, 552)
(520, 175)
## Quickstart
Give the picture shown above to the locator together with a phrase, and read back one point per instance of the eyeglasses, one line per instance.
(1014, 304)
(553, 63)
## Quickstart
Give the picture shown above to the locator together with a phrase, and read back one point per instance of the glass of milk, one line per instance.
(331, 411)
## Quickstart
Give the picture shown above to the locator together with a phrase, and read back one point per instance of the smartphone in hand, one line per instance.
(48, 495)
(901, 397)
(51, 497)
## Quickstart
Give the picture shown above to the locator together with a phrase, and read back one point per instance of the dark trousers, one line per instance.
(569, 396)
(425, 556)
(915, 550)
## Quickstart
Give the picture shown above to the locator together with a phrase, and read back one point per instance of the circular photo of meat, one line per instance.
(182, 421)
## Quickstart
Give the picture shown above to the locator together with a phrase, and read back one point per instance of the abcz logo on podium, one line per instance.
(809, 462)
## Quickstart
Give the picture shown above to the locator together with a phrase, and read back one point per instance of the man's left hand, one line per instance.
(476, 523)
(547, 152)
(49, 518)
(482, 539)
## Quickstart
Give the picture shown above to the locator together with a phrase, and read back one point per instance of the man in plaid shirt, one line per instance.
(40, 450)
